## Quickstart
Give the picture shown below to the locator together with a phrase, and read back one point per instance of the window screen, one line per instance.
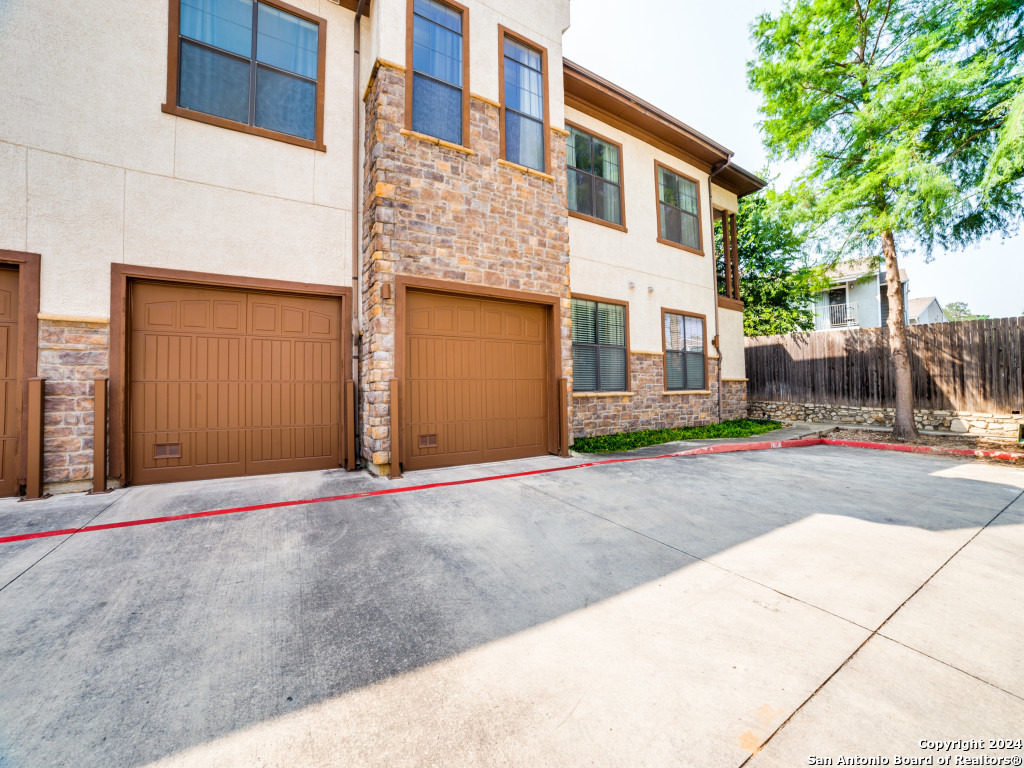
(684, 352)
(524, 105)
(437, 70)
(594, 183)
(678, 209)
(249, 62)
(598, 346)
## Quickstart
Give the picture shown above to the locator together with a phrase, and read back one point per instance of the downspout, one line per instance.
(715, 170)
(357, 251)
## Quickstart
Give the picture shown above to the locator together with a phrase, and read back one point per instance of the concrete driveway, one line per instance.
(740, 609)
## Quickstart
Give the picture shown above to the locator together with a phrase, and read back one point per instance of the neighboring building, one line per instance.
(926, 310)
(857, 297)
(210, 202)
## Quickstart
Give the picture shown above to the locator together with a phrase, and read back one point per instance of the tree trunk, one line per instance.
(903, 427)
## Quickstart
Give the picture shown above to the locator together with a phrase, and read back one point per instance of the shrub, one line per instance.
(629, 440)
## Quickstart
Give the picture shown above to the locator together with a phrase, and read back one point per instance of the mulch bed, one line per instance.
(970, 442)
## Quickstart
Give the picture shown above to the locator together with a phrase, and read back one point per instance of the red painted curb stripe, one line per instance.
(932, 449)
(704, 450)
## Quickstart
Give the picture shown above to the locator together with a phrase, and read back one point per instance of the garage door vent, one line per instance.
(167, 451)
(428, 441)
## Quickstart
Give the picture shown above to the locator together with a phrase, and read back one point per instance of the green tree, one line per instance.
(957, 311)
(775, 284)
(900, 110)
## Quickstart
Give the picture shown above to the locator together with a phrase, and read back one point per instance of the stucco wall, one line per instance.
(731, 343)
(604, 261)
(92, 172)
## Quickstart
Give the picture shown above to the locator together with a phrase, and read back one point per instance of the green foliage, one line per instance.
(630, 440)
(776, 286)
(908, 114)
(958, 311)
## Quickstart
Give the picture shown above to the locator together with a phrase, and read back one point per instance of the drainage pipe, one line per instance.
(357, 251)
(715, 170)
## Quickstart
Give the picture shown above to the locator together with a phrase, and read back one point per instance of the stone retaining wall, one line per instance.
(987, 424)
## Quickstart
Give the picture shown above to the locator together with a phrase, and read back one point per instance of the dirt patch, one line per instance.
(942, 441)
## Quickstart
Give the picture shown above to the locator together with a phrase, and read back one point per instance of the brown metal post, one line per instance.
(563, 417)
(99, 439)
(726, 257)
(350, 424)
(394, 431)
(34, 440)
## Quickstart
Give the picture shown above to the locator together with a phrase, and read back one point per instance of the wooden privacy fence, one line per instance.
(970, 366)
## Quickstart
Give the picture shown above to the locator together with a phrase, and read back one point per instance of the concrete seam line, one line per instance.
(61, 543)
(697, 557)
(918, 651)
(878, 630)
(711, 449)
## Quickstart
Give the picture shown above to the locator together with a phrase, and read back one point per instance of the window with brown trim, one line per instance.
(678, 209)
(599, 352)
(683, 336)
(524, 118)
(437, 74)
(252, 65)
(595, 176)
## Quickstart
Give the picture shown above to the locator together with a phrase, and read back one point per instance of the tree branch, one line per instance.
(881, 27)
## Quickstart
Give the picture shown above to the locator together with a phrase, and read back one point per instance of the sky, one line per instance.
(689, 59)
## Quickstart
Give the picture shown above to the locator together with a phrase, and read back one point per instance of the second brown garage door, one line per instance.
(228, 383)
(477, 380)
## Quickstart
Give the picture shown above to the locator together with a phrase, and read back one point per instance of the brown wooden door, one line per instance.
(228, 383)
(9, 416)
(476, 382)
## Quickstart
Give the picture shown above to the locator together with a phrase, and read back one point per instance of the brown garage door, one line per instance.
(9, 425)
(227, 383)
(477, 381)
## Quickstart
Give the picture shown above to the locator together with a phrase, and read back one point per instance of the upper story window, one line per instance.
(523, 101)
(685, 361)
(595, 177)
(599, 353)
(678, 210)
(438, 107)
(254, 66)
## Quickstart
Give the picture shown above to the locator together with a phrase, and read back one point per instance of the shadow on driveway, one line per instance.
(122, 647)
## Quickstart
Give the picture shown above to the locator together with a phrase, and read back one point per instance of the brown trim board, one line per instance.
(629, 359)
(664, 367)
(622, 179)
(121, 276)
(28, 342)
(409, 22)
(504, 32)
(170, 105)
(404, 283)
(727, 303)
(700, 210)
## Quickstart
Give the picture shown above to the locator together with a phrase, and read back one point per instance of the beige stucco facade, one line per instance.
(96, 172)
(92, 172)
(632, 266)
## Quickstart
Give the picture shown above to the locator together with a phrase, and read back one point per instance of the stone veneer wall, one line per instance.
(434, 210)
(988, 424)
(734, 399)
(71, 355)
(647, 406)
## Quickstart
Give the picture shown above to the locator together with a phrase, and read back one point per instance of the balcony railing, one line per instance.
(835, 316)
